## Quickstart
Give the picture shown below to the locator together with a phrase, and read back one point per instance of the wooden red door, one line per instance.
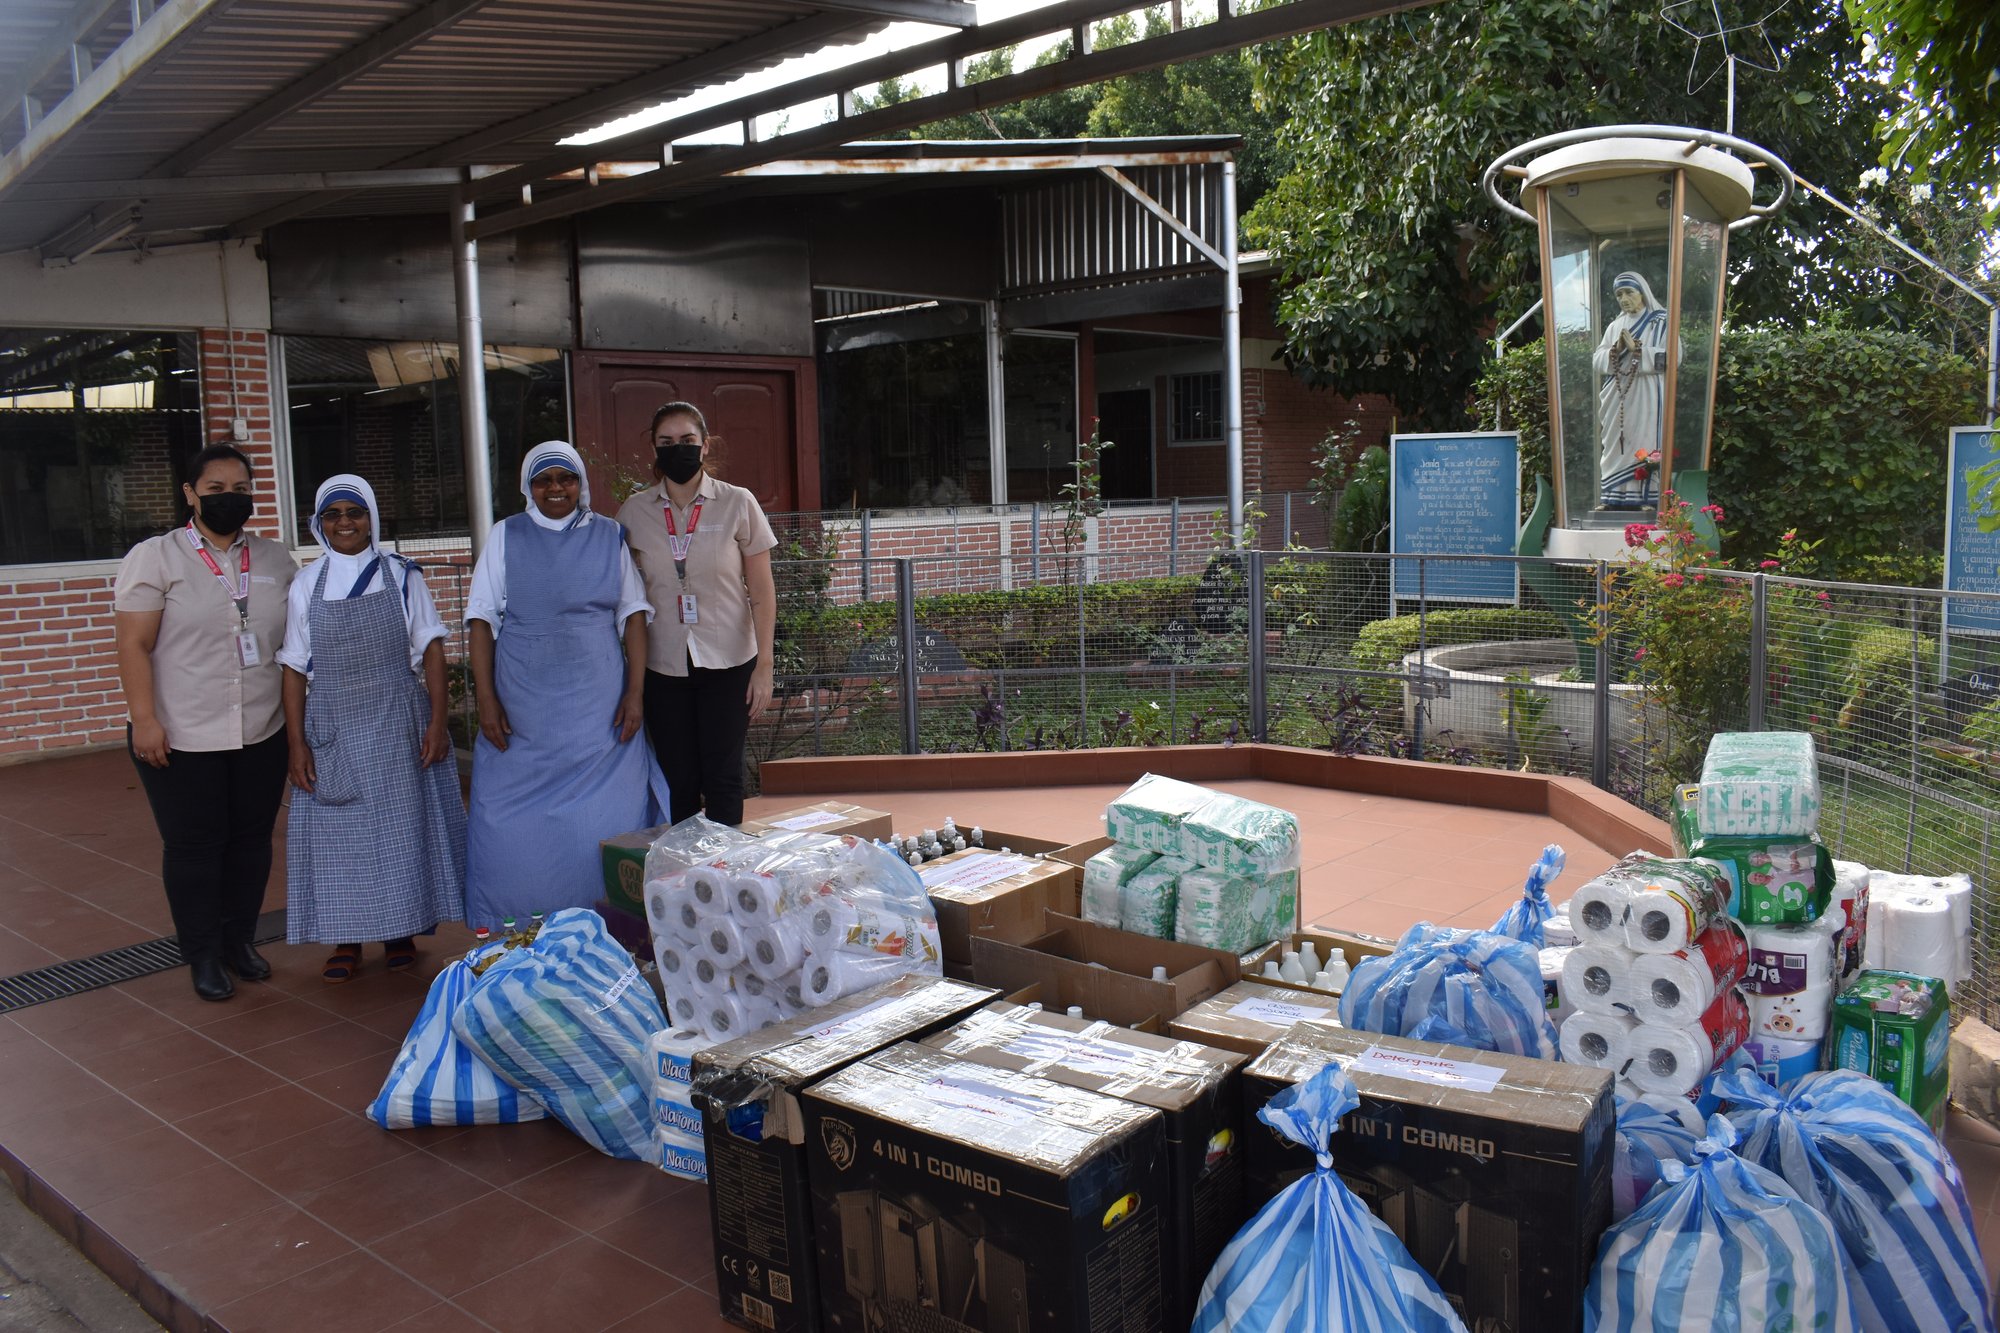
(753, 414)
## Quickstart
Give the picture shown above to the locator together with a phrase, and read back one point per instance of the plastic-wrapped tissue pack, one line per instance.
(1759, 784)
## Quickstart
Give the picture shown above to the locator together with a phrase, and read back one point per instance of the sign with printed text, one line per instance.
(1426, 1069)
(1455, 495)
(1972, 531)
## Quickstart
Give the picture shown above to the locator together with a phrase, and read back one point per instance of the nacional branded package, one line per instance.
(1196, 1088)
(949, 1195)
(1248, 1017)
(1495, 1170)
(998, 895)
(754, 1132)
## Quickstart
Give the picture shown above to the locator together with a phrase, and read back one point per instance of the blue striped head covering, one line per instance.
(348, 488)
(555, 453)
(1630, 281)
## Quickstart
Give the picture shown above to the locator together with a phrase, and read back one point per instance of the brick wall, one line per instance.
(58, 659)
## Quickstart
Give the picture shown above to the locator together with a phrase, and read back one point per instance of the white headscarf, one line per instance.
(346, 486)
(556, 453)
(1638, 284)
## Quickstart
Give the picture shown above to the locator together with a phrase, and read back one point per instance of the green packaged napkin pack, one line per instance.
(1759, 784)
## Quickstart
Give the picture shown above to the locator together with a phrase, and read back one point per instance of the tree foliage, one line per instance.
(1397, 266)
(1945, 56)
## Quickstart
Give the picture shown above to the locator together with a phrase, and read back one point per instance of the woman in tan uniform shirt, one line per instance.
(200, 617)
(704, 549)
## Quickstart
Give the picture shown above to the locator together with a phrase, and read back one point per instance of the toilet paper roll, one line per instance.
(709, 886)
(826, 977)
(684, 1010)
(1557, 932)
(755, 899)
(1780, 1060)
(1785, 960)
(1673, 1060)
(837, 926)
(1920, 935)
(673, 958)
(672, 1110)
(1597, 1040)
(1800, 1016)
(1595, 977)
(1597, 912)
(1871, 934)
(722, 938)
(727, 1017)
(1679, 987)
(773, 950)
(1552, 960)
(666, 899)
(1673, 904)
(705, 975)
(670, 1055)
(747, 983)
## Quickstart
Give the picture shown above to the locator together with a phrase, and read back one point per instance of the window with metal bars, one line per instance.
(1196, 408)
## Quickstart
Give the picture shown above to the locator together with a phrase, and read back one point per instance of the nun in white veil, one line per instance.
(1632, 397)
(558, 617)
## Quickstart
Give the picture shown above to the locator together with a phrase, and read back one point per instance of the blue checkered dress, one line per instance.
(377, 850)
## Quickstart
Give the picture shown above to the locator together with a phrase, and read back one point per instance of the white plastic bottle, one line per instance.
(1337, 968)
(1271, 972)
(1159, 973)
(1292, 969)
(1309, 958)
(1323, 980)
(1076, 1011)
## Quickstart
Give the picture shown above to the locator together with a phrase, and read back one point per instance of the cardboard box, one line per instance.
(951, 1195)
(624, 859)
(1248, 1017)
(748, 1093)
(826, 817)
(1494, 1170)
(1000, 895)
(1105, 971)
(1196, 1089)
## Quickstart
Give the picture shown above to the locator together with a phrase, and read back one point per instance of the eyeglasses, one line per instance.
(342, 515)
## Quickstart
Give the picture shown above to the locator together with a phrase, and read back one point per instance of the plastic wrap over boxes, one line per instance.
(1196, 865)
(1895, 1027)
(1760, 784)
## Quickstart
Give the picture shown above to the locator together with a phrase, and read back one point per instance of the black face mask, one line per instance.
(678, 462)
(226, 511)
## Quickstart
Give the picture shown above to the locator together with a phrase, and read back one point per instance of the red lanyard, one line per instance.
(239, 592)
(676, 543)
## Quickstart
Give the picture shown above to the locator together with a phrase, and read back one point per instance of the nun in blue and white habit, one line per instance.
(1632, 397)
(375, 843)
(558, 617)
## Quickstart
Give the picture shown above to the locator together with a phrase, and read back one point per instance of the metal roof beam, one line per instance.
(949, 13)
(194, 187)
(933, 166)
(342, 69)
(169, 25)
(1264, 25)
(1165, 215)
(59, 50)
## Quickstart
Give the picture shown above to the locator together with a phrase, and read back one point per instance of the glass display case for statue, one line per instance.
(1634, 224)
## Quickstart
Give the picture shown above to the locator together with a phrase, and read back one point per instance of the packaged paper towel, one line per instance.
(1760, 784)
(1236, 913)
(1241, 837)
(1105, 874)
(1148, 900)
(1149, 813)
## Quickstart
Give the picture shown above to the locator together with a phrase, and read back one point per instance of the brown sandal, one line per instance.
(399, 954)
(341, 965)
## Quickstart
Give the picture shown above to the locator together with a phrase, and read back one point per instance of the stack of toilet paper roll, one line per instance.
(676, 1123)
(1919, 924)
(1652, 978)
(771, 927)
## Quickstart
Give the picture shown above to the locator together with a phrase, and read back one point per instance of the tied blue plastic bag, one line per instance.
(437, 1079)
(1724, 1247)
(567, 1017)
(1895, 1197)
(1464, 987)
(1315, 1260)
(1525, 920)
(1647, 1137)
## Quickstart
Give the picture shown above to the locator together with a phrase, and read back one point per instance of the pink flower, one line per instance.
(1638, 653)
(1672, 580)
(1791, 535)
(1713, 511)
(1687, 538)
(1825, 597)
(1637, 534)
(1767, 564)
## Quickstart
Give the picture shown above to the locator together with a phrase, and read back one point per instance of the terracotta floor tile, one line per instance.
(1436, 899)
(172, 993)
(356, 1293)
(504, 1153)
(199, 1089)
(263, 1025)
(366, 994)
(257, 1120)
(43, 1135)
(351, 1086)
(492, 1235)
(1371, 916)
(584, 1287)
(445, 1319)
(336, 1044)
(33, 1085)
(107, 1170)
(303, 1163)
(19, 955)
(96, 1017)
(672, 1235)
(594, 1192)
(235, 1258)
(148, 1220)
(372, 1203)
(689, 1310)
(173, 1050)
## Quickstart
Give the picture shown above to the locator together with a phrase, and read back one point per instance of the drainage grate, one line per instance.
(60, 980)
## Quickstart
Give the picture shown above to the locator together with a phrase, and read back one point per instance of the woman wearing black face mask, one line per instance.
(704, 548)
(200, 617)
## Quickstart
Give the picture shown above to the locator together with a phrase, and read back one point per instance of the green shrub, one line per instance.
(1361, 517)
(1879, 682)
(1982, 729)
(1383, 644)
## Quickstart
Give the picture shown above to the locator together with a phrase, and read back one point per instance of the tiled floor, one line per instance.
(212, 1158)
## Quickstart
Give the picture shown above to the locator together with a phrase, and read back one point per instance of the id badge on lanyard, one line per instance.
(678, 545)
(248, 653)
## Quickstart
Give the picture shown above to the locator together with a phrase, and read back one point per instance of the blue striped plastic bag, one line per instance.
(1315, 1260)
(437, 1080)
(1725, 1247)
(1893, 1194)
(1465, 987)
(1647, 1137)
(567, 1018)
(1524, 921)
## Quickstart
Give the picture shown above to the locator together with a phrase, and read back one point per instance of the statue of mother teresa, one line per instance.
(1632, 398)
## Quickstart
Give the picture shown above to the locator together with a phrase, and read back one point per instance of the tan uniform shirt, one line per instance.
(202, 693)
(732, 526)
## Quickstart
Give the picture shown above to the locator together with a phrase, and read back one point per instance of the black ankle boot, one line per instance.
(246, 962)
(210, 981)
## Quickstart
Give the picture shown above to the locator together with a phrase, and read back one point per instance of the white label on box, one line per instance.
(1277, 1012)
(1080, 1053)
(974, 872)
(810, 819)
(847, 1023)
(984, 1099)
(1427, 1069)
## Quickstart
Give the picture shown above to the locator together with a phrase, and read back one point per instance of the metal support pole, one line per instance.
(996, 407)
(1287, 541)
(1035, 542)
(1232, 356)
(1600, 701)
(1916, 730)
(1257, 663)
(471, 373)
(1174, 536)
(1417, 690)
(865, 535)
(906, 630)
(1760, 610)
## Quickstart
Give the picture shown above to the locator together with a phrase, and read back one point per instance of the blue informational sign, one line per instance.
(1972, 531)
(1455, 495)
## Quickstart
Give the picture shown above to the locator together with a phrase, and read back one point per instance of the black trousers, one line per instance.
(215, 810)
(697, 724)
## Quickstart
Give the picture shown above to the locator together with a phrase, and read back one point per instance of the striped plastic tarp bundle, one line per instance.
(1466, 987)
(1893, 1194)
(437, 1079)
(1524, 921)
(1315, 1260)
(1647, 1137)
(567, 1018)
(1726, 1247)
